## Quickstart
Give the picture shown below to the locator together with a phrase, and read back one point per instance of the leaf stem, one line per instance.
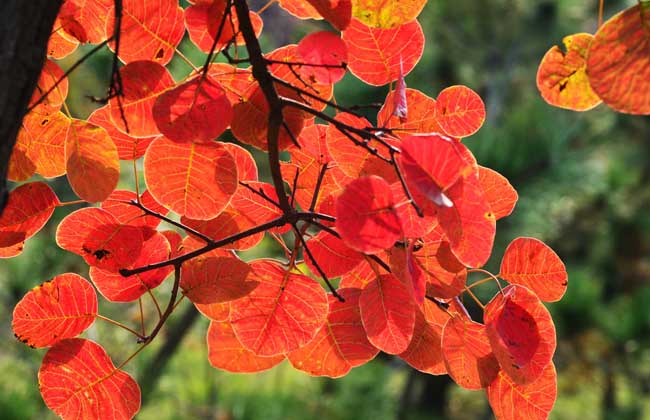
(119, 324)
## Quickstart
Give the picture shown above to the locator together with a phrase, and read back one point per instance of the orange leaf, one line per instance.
(302, 9)
(388, 313)
(375, 54)
(562, 77)
(118, 204)
(468, 355)
(143, 82)
(331, 254)
(226, 352)
(91, 15)
(618, 62)
(197, 111)
(387, 13)
(216, 312)
(501, 196)
(216, 279)
(51, 74)
(79, 381)
(117, 288)
(92, 163)
(531, 263)
(60, 308)
(229, 222)
(128, 147)
(194, 180)
(521, 333)
(534, 401)
(421, 114)
(424, 352)
(42, 138)
(282, 314)
(151, 30)
(367, 220)
(340, 344)
(100, 239)
(460, 112)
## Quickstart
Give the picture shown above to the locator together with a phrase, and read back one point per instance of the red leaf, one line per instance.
(197, 111)
(460, 111)
(531, 263)
(353, 160)
(367, 220)
(336, 12)
(322, 51)
(229, 222)
(128, 147)
(302, 9)
(534, 401)
(28, 209)
(246, 166)
(42, 140)
(118, 204)
(91, 15)
(469, 223)
(432, 164)
(57, 309)
(100, 239)
(424, 352)
(359, 276)
(375, 54)
(387, 14)
(388, 314)
(79, 381)
(340, 344)
(498, 192)
(151, 30)
(421, 113)
(208, 280)
(618, 63)
(194, 180)
(227, 353)
(92, 162)
(331, 254)
(562, 77)
(203, 22)
(468, 355)
(117, 288)
(142, 82)
(282, 314)
(219, 312)
(521, 333)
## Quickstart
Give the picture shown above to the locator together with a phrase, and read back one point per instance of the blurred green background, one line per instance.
(583, 181)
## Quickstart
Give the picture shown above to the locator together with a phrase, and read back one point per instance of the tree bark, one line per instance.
(25, 27)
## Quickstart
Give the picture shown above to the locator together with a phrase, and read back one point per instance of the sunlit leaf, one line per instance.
(92, 163)
(100, 239)
(117, 288)
(424, 352)
(79, 381)
(42, 139)
(151, 30)
(50, 75)
(60, 308)
(340, 344)
(521, 333)
(194, 180)
(468, 355)
(226, 352)
(618, 61)
(534, 401)
(336, 12)
(331, 254)
(375, 54)
(531, 263)
(562, 77)
(128, 147)
(460, 112)
(283, 313)
(197, 111)
(119, 205)
(367, 220)
(216, 279)
(501, 196)
(421, 114)
(387, 14)
(388, 314)
(322, 51)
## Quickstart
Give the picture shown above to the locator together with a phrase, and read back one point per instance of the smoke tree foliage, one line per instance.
(389, 215)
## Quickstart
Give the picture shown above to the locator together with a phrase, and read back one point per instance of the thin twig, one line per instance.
(318, 268)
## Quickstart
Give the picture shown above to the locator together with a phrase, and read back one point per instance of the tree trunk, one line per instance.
(25, 27)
